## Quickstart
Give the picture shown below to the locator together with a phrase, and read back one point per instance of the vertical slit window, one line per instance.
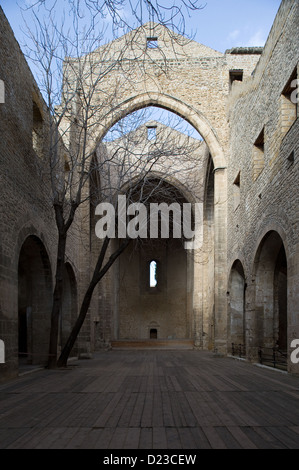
(152, 43)
(235, 75)
(153, 273)
(258, 155)
(237, 191)
(37, 131)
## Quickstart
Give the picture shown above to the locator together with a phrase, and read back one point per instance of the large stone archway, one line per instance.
(163, 81)
(169, 103)
(219, 302)
(162, 309)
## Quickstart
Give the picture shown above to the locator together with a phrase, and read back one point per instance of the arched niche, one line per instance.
(34, 301)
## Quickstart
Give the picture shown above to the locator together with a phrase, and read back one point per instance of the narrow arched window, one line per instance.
(153, 273)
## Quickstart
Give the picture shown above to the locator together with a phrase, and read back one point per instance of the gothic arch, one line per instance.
(166, 307)
(170, 103)
(270, 274)
(219, 175)
(34, 300)
(170, 180)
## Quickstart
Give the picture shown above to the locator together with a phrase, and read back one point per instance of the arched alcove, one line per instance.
(211, 318)
(34, 301)
(168, 303)
(271, 292)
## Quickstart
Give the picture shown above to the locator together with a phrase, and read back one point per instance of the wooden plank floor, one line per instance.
(151, 400)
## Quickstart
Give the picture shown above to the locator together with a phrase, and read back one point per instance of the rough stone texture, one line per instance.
(269, 197)
(26, 211)
(180, 161)
(193, 81)
(250, 254)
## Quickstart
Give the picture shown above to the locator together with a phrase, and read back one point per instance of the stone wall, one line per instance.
(27, 225)
(249, 183)
(188, 79)
(263, 172)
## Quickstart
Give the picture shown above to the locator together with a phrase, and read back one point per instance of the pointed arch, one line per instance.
(162, 100)
(270, 270)
(34, 301)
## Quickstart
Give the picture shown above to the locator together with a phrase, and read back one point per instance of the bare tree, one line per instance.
(125, 15)
(140, 170)
(71, 63)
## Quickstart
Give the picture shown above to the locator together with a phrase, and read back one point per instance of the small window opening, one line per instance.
(151, 132)
(152, 43)
(260, 141)
(237, 191)
(291, 86)
(235, 75)
(291, 157)
(258, 155)
(66, 166)
(153, 274)
(37, 130)
(153, 333)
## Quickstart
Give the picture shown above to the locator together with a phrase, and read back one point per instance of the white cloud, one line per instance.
(258, 39)
(234, 34)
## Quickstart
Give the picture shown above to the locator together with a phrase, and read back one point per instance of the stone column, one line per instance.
(293, 311)
(251, 334)
(220, 214)
(198, 298)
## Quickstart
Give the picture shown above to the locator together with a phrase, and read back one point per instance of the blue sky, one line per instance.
(221, 24)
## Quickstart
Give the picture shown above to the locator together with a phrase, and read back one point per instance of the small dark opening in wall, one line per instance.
(237, 180)
(260, 141)
(153, 333)
(237, 191)
(151, 132)
(235, 75)
(152, 43)
(291, 157)
(37, 129)
(66, 166)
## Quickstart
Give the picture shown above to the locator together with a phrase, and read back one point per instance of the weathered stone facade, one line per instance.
(28, 231)
(242, 287)
(264, 222)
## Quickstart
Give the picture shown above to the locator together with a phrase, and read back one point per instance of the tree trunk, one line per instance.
(62, 361)
(97, 276)
(57, 301)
